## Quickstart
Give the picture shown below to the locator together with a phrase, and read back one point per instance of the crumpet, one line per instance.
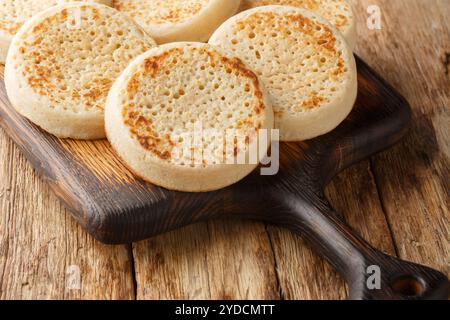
(338, 12)
(302, 60)
(183, 114)
(14, 13)
(63, 62)
(179, 20)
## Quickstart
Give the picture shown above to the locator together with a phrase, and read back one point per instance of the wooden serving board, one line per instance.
(116, 207)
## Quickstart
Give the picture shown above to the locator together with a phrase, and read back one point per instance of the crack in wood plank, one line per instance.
(133, 270)
(383, 207)
(275, 266)
(447, 63)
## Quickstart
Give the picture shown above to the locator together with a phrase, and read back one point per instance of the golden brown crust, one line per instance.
(285, 25)
(314, 101)
(47, 75)
(63, 62)
(142, 126)
(179, 20)
(166, 110)
(329, 9)
(164, 11)
(143, 131)
(13, 14)
(10, 27)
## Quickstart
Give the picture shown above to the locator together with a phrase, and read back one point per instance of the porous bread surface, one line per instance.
(177, 20)
(302, 60)
(14, 13)
(161, 99)
(338, 12)
(69, 56)
(161, 11)
(200, 85)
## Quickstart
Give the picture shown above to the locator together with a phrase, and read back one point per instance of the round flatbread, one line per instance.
(14, 13)
(179, 20)
(64, 60)
(182, 115)
(302, 60)
(338, 12)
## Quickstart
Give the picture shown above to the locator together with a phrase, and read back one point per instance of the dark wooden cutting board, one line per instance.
(116, 207)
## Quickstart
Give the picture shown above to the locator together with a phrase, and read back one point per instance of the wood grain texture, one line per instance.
(299, 273)
(414, 178)
(212, 260)
(39, 242)
(411, 30)
(298, 266)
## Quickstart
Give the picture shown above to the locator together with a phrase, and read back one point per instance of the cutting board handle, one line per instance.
(369, 273)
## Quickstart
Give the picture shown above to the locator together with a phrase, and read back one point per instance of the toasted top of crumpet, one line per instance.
(64, 60)
(302, 60)
(179, 20)
(338, 12)
(14, 13)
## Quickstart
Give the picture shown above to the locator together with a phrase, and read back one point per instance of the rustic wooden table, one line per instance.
(399, 200)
